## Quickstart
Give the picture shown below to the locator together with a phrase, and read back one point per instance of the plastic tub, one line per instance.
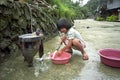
(110, 57)
(62, 59)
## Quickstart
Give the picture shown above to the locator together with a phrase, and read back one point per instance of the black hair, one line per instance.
(63, 23)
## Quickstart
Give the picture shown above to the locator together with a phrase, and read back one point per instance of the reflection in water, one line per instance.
(40, 65)
(109, 72)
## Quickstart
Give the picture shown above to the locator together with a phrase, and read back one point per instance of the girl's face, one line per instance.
(63, 30)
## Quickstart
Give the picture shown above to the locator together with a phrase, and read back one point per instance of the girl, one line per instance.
(71, 38)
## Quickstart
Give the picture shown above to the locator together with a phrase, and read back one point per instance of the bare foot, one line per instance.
(85, 56)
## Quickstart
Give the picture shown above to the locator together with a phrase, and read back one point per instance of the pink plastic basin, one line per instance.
(110, 57)
(62, 59)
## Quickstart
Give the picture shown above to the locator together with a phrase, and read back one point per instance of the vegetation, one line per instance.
(99, 18)
(17, 18)
(75, 10)
(69, 9)
(94, 5)
(112, 18)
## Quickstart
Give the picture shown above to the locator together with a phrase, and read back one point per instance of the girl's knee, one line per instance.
(75, 41)
(78, 43)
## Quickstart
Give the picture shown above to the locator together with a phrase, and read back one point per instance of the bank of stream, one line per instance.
(18, 18)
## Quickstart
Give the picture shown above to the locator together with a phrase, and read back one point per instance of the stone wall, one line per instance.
(18, 18)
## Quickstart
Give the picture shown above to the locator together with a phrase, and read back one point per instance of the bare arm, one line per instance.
(67, 46)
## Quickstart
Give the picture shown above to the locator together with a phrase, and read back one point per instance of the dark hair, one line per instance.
(63, 23)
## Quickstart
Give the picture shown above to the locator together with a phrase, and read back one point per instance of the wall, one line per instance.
(18, 18)
(111, 4)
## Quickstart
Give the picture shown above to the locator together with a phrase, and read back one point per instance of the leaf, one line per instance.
(22, 22)
(3, 23)
(3, 2)
(27, 13)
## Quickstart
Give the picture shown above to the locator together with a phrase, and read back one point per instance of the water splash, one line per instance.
(40, 65)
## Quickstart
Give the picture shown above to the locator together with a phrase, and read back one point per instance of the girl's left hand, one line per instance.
(63, 38)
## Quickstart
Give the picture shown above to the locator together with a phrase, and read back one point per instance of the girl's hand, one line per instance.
(59, 53)
(63, 38)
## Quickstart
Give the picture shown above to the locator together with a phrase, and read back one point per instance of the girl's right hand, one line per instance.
(59, 53)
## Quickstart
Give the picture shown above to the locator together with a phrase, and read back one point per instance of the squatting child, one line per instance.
(71, 38)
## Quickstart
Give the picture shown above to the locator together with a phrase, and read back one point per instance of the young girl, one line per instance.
(71, 38)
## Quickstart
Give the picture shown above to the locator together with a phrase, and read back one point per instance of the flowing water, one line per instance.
(97, 36)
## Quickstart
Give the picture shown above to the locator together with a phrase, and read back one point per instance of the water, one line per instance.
(77, 69)
(39, 66)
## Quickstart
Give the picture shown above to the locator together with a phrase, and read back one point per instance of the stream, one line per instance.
(77, 69)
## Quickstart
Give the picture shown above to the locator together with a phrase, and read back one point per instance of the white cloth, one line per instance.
(74, 34)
